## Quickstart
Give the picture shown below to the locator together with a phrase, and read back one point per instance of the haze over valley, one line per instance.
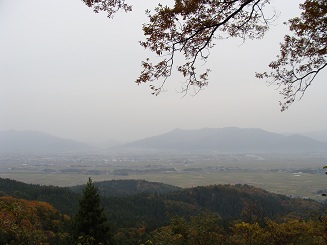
(285, 164)
(206, 140)
(75, 85)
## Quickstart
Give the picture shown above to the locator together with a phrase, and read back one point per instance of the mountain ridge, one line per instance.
(205, 140)
(31, 141)
(227, 140)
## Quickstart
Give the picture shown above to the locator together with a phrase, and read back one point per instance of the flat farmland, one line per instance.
(292, 175)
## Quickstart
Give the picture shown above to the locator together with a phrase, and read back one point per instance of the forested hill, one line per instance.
(155, 203)
(135, 217)
(66, 199)
(231, 201)
(129, 187)
(62, 198)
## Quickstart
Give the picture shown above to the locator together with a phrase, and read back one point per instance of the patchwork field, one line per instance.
(297, 176)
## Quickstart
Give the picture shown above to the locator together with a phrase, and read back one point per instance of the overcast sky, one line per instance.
(67, 71)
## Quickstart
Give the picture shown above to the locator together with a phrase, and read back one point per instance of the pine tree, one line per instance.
(90, 223)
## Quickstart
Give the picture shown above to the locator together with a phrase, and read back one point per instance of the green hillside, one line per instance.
(129, 187)
(62, 198)
(136, 208)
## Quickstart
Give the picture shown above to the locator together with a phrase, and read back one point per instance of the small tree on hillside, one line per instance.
(90, 223)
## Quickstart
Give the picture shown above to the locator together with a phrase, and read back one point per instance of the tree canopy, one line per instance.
(192, 28)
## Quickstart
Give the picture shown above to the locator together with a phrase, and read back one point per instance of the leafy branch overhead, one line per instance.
(190, 28)
(109, 6)
(303, 55)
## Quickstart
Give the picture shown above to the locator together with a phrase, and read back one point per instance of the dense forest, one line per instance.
(141, 212)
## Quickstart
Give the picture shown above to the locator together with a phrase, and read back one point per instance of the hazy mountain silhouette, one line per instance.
(227, 140)
(37, 142)
(320, 135)
(220, 140)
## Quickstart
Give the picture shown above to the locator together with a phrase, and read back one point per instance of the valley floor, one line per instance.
(297, 175)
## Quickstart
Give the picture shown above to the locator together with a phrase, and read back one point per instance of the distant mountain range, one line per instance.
(220, 140)
(13, 141)
(227, 140)
(317, 135)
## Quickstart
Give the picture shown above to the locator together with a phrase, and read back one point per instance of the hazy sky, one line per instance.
(70, 72)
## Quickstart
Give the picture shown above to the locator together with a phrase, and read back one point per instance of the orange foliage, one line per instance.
(23, 220)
